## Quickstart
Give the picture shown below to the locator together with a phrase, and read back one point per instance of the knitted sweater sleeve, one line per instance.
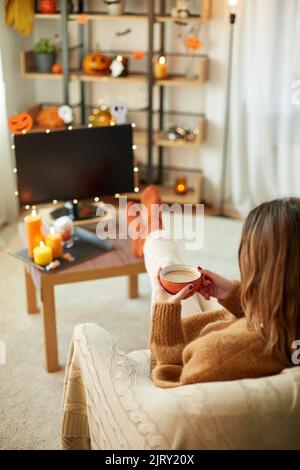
(232, 303)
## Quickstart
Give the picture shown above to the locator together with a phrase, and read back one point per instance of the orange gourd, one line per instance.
(57, 69)
(48, 118)
(20, 123)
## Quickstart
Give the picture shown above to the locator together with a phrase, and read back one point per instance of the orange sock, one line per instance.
(130, 218)
(151, 220)
(151, 198)
(137, 247)
(137, 244)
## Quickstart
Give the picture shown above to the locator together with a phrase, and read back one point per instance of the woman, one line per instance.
(252, 335)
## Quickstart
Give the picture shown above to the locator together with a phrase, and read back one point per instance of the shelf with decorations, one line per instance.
(29, 70)
(127, 16)
(179, 14)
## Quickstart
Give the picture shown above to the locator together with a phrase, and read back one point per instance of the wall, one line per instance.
(19, 92)
(15, 95)
(210, 99)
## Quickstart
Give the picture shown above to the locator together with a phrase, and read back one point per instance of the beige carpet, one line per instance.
(30, 399)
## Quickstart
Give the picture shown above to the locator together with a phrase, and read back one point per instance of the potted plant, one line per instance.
(45, 55)
(115, 7)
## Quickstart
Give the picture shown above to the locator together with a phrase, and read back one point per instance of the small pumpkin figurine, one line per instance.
(20, 123)
(48, 118)
(57, 68)
(96, 63)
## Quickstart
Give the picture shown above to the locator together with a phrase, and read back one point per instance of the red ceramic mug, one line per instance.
(175, 277)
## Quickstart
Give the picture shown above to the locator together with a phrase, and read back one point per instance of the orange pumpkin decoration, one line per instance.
(48, 118)
(20, 123)
(192, 42)
(96, 64)
(57, 68)
(138, 55)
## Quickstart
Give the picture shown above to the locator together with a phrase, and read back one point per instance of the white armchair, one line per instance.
(111, 403)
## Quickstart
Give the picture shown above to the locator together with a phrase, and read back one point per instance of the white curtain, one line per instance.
(8, 204)
(264, 149)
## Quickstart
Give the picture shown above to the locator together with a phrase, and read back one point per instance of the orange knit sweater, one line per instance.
(207, 347)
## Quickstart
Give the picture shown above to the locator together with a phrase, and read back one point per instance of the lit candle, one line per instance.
(161, 69)
(54, 240)
(42, 254)
(181, 186)
(34, 231)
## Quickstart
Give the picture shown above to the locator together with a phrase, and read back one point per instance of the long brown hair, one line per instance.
(269, 258)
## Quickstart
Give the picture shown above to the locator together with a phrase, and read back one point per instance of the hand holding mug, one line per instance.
(214, 285)
(161, 296)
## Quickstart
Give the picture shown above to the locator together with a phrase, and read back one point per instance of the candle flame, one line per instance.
(181, 187)
(33, 213)
(42, 244)
(162, 60)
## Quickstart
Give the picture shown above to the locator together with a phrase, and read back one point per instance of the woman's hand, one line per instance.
(161, 296)
(214, 285)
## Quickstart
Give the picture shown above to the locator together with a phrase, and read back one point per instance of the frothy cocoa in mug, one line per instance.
(180, 276)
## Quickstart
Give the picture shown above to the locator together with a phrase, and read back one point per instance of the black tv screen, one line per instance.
(78, 163)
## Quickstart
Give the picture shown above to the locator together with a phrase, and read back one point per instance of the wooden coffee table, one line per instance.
(117, 262)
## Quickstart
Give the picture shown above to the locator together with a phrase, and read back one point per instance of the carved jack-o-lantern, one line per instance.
(20, 123)
(96, 64)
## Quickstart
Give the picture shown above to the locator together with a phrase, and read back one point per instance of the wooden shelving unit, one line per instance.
(150, 137)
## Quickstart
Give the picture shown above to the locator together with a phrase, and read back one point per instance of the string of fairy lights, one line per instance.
(75, 200)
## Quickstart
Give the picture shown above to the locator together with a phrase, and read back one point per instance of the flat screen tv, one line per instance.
(74, 164)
